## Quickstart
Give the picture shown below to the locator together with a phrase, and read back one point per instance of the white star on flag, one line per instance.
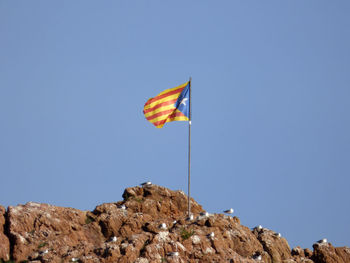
(184, 101)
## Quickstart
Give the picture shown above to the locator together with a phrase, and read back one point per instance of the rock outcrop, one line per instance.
(4, 242)
(326, 253)
(149, 225)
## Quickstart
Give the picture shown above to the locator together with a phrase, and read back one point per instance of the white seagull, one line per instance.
(206, 214)
(44, 252)
(162, 226)
(322, 241)
(75, 259)
(173, 254)
(257, 257)
(113, 239)
(259, 227)
(122, 207)
(190, 218)
(211, 235)
(278, 234)
(146, 183)
(230, 211)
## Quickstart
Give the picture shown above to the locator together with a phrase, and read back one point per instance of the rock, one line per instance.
(277, 247)
(326, 253)
(298, 251)
(233, 235)
(4, 241)
(308, 252)
(34, 227)
(130, 231)
(301, 255)
(159, 200)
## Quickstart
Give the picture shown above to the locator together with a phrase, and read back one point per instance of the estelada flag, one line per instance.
(169, 105)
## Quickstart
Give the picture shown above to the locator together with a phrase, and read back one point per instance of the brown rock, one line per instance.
(110, 219)
(277, 247)
(308, 252)
(326, 253)
(301, 255)
(4, 241)
(343, 253)
(159, 200)
(298, 251)
(2, 218)
(35, 228)
(131, 231)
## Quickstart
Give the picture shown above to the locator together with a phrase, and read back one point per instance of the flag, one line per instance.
(169, 105)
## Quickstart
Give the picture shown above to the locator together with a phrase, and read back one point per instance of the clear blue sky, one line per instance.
(270, 98)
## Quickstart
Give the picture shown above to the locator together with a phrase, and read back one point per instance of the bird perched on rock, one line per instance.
(322, 241)
(189, 218)
(113, 239)
(122, 207)
(173, 254)
(278, 234)
(206, 214)
(44, 252)
(259, 227)
(75, 259)
(148, 183)
(162, 226)
(174, 222)
(229, 211)
(211, 235)
(257, 256)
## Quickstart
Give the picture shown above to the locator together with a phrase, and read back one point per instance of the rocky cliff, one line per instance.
(149, 225)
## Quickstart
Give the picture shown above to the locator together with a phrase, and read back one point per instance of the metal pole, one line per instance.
(189, 151)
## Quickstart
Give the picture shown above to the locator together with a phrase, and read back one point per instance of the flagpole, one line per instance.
(189, 151)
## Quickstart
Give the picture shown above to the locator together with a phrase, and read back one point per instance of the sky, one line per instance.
(270, 107)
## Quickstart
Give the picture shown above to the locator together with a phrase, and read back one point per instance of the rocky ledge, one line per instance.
(149, 225)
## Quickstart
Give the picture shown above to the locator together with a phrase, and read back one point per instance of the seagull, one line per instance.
(206, 214)
(211, 235)
(44, 252)
(75, 259)
(322, 241)
(230, 211)
(113, 239)
(278, 234)
(173, 254)
(162, 226)
(189, 218)
(146, 183)
(257, 257)
(122, 207)
(174, 222)
(259, 227)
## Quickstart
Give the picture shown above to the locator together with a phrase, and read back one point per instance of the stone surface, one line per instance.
(277, 247)
(4, 242)
(326, 253)
(64, 232)
(131, 231)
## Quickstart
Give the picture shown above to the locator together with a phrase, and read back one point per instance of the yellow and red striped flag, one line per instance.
(169, 105)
